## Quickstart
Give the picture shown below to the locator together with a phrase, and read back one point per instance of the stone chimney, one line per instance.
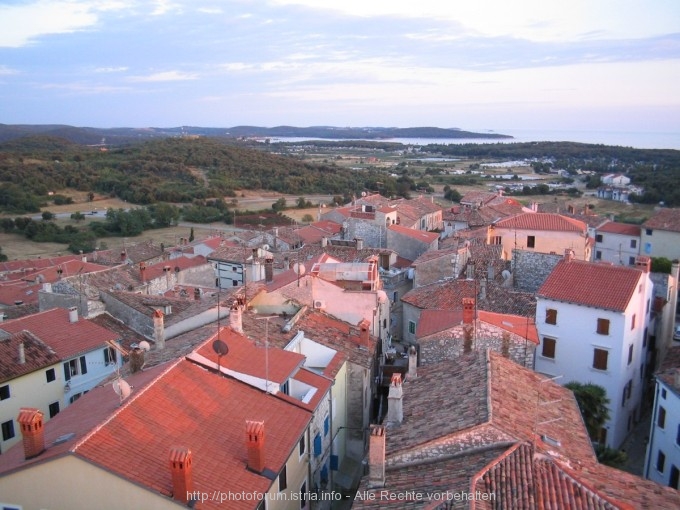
(395, 407)
(22, 354)
(255, 445)
(269, 270)
(569, 255)
(137, 360)
(643, 263)
(505, 346)
(376, 457)
(31, 423)
(236, 317)
(468, 310)
(158, 329)
(73, 314)
(364, 332)
(412, 362)
(182, 474)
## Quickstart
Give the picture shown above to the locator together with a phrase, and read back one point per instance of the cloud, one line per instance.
(110, 69)
(165, 76)
(6, 71)
(84, 88)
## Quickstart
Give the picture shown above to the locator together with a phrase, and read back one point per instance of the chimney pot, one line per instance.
(364, 334)
(73, 314)
(31, 423)
(158, 329)
(236, 317)
(181, 471)
(255, 445)
(376, 457)
(468, 310)
(395, 407)
(643, 263)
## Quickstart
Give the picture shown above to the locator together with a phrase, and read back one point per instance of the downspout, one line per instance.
(651, 439)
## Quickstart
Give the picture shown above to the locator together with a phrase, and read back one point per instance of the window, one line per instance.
(631, 261)
(627, 390)
(632, 322)
(531, 241)
(648, 231)
(326, 425)
(602, 326)
(50, 375)
(303, 496)
(661, 418)
(646, 311)
(303, 446)
(660, 461)
(54, 409)
(8, 430)
(4, 392)
(598, 255)
(283, 481)
(497, 240)
(412, 327)
(317, 444)
(600, 359)
(673, 480)
(76, 366)
(663, 394)
(630, 354)
(598, 238)
(548, 348)
(633, 244)
(677, 436)
(551, 316)
(109, 355)
(75, 397)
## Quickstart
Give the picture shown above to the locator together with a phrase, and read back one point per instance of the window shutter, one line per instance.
(67, 372)
(317, 445)
(83, 365)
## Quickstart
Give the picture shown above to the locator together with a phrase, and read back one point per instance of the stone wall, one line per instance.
(530, 269)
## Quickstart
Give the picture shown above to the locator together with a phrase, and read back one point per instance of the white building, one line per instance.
(662, 463)
(618, 243)
(592, 321)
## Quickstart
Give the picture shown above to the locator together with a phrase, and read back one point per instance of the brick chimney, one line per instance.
(468, 310)
(364, 332)
(269, 270)
(31, 423)
(73, 314)
(395, 408)
(182, 474)
(158, 329)
(142, 271)
(255, 445)
(412, 362)
(236, 317)
(376, 457)
(643, 263)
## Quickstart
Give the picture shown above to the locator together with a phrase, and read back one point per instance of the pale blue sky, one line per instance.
(475, 65)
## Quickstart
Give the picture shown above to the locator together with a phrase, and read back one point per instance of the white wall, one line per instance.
(664, 439)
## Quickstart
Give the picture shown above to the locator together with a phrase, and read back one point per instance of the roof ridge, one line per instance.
(124, 406)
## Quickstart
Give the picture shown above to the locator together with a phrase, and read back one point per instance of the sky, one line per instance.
(475, 65)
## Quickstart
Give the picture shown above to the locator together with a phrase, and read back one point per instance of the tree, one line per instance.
(191, 235)
(3, 257)
(592, 401)
(307, 218)
(77, 216)
(47, 215)
(279, 205)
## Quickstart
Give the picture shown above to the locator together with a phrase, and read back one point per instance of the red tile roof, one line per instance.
(521, 326)
(612, 227)
(664, 219)
(591, 284)
(158, 270)
(37, 355)
(418, 235)
(67, 339)
(542, 221)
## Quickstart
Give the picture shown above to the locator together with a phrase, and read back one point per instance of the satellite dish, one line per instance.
(382, 296)
(220, 347)
(122, 388)
(299, 269)
(144, 345)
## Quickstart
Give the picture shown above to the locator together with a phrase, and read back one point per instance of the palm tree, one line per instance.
(592, 401)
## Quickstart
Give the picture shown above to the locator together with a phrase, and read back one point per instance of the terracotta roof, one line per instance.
(419, 235)
(127, 336)
(670, 367)
(435, 321)
(32, 265)
(436, 254)
(177, 264)
(66, 338)
(478, 198)
(664, 219)
(542, 221)
(37, 355)
(19, 292)
(195, 408)
(591, 284)
(612, 227)
(520, 326)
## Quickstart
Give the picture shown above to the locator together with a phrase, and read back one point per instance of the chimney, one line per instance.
(468, 310)
(412, 362)
(22, 354)
(470, 271)
(73, 314)
(31, 424)
(364, 334)
(505, 347)
(158, 329)
(286, 263)
(324, 242)
(568, 255)
(395, 408)
(376, 457)
(197, 294)
(360, 243)
(47, 287)
(136, 360)
(182, 474)
(255, 445)
(123, 256)
(482, 289)
(236, 317)
(269, 270)
(643, 263)
(142, 271)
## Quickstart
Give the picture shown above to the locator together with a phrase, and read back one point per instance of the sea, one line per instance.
(634, 139)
